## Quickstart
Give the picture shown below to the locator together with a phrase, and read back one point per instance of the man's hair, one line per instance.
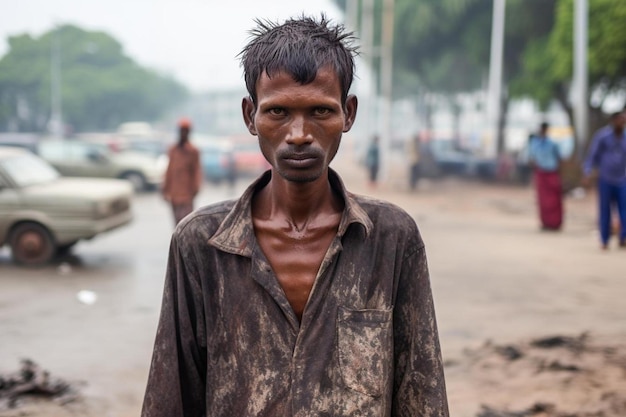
(544, 126)
(300, 47)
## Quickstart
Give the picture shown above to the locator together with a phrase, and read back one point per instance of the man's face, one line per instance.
(299, 126)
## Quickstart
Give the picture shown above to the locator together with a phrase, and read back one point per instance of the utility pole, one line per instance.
(55, 124)
(352, 13)
(494, 93)
(580, 79)
(386, 85)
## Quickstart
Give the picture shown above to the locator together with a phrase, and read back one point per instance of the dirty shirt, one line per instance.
(183, 176)
(229, 344)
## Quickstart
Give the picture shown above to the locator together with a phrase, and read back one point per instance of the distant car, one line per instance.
(76, 158)
(249, 161)
(43, 213)
(217, 160)
(20, 140)
(450, 159)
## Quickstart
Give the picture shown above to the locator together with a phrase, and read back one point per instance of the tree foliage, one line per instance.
(548, 62)
(100, 86)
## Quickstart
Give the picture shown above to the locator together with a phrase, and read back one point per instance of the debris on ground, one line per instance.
(554, 376)
(33, 381)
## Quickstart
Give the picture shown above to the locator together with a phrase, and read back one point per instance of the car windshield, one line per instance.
(28, 170)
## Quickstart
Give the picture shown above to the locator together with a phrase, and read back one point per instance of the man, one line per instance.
(413, 151)
(183, 176)
(299, 298)
(372, 161)
(545, 159)
(607, 155)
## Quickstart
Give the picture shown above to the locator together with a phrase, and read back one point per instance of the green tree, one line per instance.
(100, 86)
(548, 62)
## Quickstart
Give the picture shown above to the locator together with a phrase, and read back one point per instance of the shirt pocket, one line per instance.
(364, 345)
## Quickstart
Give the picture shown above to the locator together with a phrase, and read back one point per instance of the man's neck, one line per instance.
(296, 203)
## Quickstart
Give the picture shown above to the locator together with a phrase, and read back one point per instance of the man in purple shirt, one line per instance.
(607, 155)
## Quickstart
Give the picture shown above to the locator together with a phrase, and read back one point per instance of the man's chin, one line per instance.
(300, 177)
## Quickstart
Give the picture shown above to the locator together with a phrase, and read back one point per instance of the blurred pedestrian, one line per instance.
(372, 160)
(545, 159)
(183, 176)
(607, 156)
(299, 298)
(414, 156)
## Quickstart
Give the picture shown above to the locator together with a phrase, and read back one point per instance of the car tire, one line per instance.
(31, 244)
(137, 180)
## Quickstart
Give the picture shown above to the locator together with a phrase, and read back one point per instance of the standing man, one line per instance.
(372, 161)
(183, 176)
(413, 153)
(607, 155)
(545, 159)
(299, 298)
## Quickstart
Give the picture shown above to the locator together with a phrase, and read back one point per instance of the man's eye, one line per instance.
(276, 111)
(322, 111)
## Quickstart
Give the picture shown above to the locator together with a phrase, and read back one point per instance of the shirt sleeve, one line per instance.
(592, 159)
(177, 379)
(419, 384)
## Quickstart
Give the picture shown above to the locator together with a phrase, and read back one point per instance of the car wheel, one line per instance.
(136, 179)
(31, 244)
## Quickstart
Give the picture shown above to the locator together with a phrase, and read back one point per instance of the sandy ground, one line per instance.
(531, 323)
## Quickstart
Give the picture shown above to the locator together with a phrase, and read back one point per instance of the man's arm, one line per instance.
(176, 383)
(592, 159)
(419, 385)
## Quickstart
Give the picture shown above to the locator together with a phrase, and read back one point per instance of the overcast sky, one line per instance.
(196, 41)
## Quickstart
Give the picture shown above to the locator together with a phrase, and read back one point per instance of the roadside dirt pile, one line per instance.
(32, 382)
(555, 376)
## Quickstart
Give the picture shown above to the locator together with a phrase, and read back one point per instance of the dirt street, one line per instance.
(531, 323)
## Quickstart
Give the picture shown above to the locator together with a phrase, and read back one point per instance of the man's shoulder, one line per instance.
(385, 214)
(204, 221)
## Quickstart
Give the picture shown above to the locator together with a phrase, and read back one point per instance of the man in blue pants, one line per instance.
(607, 155)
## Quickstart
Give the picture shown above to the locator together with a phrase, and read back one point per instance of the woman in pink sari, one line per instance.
(545, 159)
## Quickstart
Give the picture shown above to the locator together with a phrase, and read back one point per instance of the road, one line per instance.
(495, 276)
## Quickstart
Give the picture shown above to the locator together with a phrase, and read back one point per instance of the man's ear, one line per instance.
(249, 110)
(350, 112)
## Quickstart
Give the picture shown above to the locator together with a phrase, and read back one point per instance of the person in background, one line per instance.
(545, 160)
(414, 155)
(299, 298)
(183, 176)
(372, 161)
(607, 156)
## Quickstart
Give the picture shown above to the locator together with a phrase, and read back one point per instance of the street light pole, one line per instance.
(580, 73)
(494, 93)
(386, 86)
(56, 103)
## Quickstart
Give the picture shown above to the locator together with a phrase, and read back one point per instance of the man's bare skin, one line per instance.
(295, 245)
(296, 214)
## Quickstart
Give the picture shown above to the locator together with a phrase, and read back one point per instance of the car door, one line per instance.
(9, 204)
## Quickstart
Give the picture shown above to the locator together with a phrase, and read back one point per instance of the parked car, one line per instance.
(217, 160)
(249, 161)
(78, 158)
(20, 140)
(43, 213)
(444, 157)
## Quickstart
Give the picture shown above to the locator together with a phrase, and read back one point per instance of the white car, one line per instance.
(43, 213)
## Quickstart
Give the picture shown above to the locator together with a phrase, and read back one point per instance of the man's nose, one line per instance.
(298, 133)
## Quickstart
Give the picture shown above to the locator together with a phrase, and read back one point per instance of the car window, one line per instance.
(28, 170)
(52, 150)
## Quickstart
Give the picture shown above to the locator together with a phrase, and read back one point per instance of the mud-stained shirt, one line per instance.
(229, 344)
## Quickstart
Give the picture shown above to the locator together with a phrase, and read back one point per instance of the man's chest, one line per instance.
(296, 263)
